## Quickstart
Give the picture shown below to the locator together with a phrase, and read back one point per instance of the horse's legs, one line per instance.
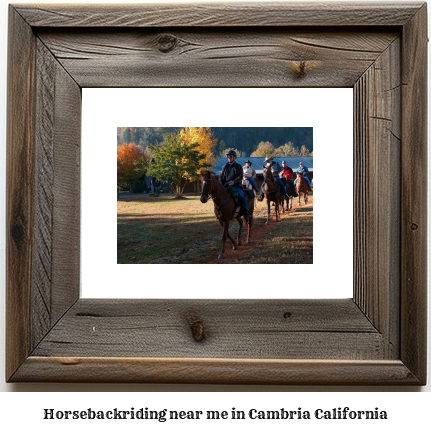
(250, 222)
(269, 209)
(249, 225)
(277, 210)
(223, 239)
(238, 238)
(232, 240)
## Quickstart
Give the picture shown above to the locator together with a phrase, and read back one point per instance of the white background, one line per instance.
(328, 111)
(406, 408)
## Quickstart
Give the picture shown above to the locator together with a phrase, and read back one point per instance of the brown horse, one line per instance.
(302, 187)
(226, 210)
(272, 192)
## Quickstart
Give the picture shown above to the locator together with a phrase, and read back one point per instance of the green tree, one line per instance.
(222, 147)
(177, 161)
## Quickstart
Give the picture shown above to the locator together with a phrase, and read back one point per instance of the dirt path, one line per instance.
(259, 230)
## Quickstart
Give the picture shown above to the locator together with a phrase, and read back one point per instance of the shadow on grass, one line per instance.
(176, 240)
(138, 197)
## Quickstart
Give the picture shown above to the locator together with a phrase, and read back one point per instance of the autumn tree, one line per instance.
(205, 144)
(264, 149)
(131, 164)
(304, 151)
(178, 161)
(286, 150)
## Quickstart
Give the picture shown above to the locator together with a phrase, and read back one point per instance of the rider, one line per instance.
(287, 174)
(304, 170)
(275, 168)
(250, 174)
(231, 173)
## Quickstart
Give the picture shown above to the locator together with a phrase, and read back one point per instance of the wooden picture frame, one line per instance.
(376, 338)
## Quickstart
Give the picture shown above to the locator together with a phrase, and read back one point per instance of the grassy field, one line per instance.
(166, 230)
(288, 242)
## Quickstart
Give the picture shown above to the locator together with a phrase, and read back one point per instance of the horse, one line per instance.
(302, 187)
(290, 188)
(272, 192)
(225, 209)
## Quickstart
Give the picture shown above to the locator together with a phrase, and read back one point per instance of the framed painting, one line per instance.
(376, 337)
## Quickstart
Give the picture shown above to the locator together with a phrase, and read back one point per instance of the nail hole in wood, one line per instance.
(287, 314)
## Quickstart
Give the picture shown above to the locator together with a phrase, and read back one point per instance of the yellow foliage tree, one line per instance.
(264, 149)
(205, 145)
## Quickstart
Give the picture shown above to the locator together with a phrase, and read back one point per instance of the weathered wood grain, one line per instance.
(234, 329)
(55, 278)
(20, 198)
(414, 193)
(43, 194)
(378, 338)
(67, 199)
(216, 371)
(376, 192)
(220, 15)
(202, 58)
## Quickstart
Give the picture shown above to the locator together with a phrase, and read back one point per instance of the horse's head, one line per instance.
(206, 186)
(267, 175)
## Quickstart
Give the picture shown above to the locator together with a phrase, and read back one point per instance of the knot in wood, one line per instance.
(197, 328)
(167, 42)
(300, 71)
(414, 226)
(18, 233)
(299, 68)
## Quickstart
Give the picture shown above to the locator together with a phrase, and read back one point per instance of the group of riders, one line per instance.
(232, 173)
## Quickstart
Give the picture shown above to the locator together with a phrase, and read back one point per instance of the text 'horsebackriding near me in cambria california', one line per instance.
(229, 200)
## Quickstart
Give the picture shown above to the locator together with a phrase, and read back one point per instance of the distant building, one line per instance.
(257, 162)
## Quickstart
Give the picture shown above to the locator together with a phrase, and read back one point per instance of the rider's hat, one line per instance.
(283, 162)
(269, 158)
(301, 163)
(248, 161)
(231, 153)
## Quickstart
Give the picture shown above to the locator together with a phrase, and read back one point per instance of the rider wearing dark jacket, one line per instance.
(231, 173)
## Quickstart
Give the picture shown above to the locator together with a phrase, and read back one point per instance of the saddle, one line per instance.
(233, 191)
